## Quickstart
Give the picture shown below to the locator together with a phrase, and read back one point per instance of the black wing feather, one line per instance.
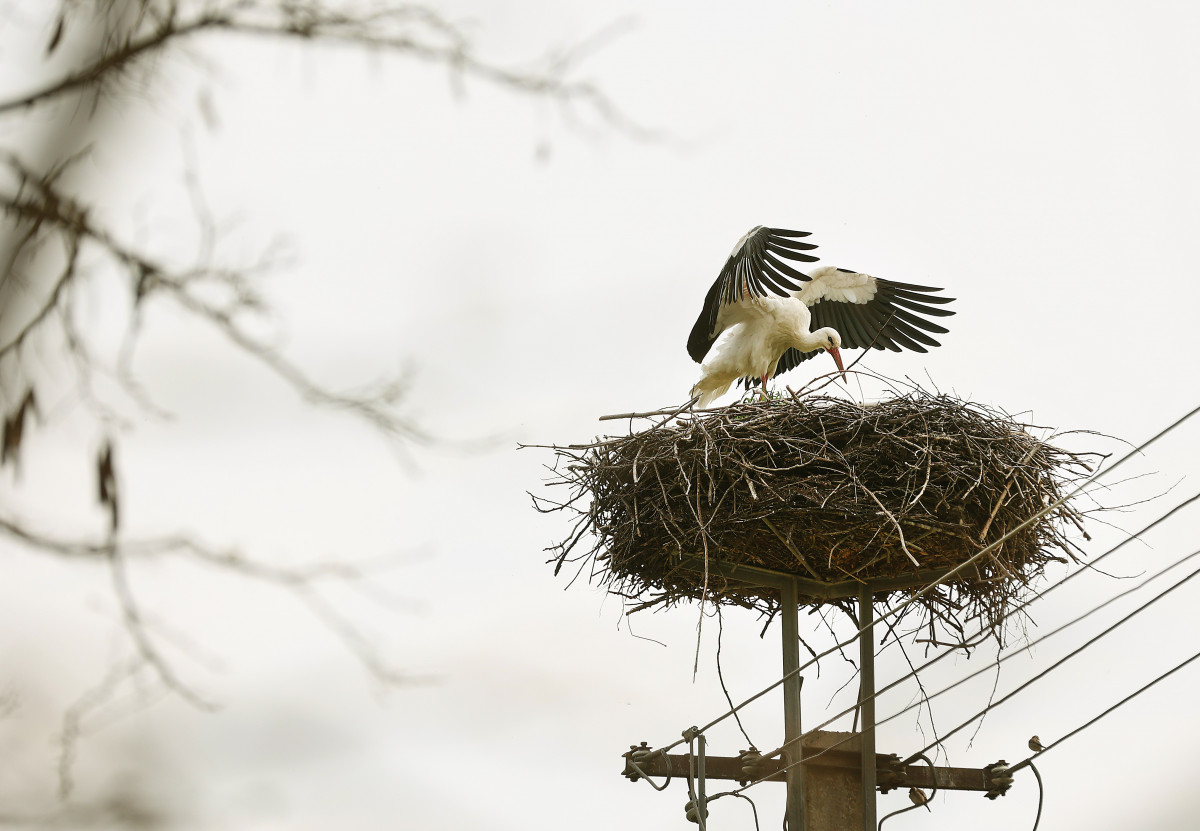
(874, 325)
(856, 329)
(921, 298)
(790, 244)
(779, 265)
(894, 319)
(905, 303)
(868, 325)
(779, 278)
(885, 329)
(792, 252)
(751, 271)
(790, 360)
(913, 332)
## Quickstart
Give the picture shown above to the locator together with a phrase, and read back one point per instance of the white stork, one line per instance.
(759, 315)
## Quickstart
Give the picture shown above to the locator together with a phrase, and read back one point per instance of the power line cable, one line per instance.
(1041, 792)
(1059, 584)
(753, 808)
(921, 753)
(1049, 634)
(889, 613)
(1141, 608)
(914, 597)
(1056, 664)
(1013, 653)
(721, 676)
(1029, 762)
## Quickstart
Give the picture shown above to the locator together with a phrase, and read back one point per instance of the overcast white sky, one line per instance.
(1036, 159)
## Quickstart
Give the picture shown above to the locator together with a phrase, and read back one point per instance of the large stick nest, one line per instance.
(827, 490)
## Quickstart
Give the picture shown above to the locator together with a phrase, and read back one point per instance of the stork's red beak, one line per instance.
(837, 359)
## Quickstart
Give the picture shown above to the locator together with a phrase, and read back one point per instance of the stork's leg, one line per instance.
(765, 378)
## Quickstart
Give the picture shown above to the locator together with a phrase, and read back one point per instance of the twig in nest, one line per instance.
(891, 516)
(795, 551)
(759, 484)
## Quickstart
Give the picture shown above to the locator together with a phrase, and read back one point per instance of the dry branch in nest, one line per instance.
(827, 490)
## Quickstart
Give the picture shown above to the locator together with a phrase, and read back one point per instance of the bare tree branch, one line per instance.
(58, 238)
(40, 203)
(148, 658)
(406, 29)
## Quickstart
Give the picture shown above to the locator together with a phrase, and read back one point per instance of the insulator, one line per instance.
(643, 756)
(689, 811)
(999, 779)
(751, 762)
(637, 754)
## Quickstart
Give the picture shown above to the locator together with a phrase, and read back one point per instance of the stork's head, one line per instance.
(831, 342)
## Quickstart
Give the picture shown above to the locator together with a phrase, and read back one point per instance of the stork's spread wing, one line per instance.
(754, 269)
(869, 312)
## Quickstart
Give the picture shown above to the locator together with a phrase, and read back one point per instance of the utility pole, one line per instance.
(866, 700)
(832, 778)
(791, 701)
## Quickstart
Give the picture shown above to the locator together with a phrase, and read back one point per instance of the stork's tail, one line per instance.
(705, 393)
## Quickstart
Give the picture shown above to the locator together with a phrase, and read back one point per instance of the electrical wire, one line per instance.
(1041, 792)
(1001, 659)
(740, 795)
(753, 808)
(721, 678)
(985, 550)
(941, 656)
(1029, 762)
(889, 613)
(950, 573)
(1141, 608)
(1056, 664)
(645, 776)
(895, 610)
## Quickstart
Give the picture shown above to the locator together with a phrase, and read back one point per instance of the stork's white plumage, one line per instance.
(759, 316)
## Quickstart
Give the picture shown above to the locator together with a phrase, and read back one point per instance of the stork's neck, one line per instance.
(802, 339)
(807, 341)
(791, 321)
